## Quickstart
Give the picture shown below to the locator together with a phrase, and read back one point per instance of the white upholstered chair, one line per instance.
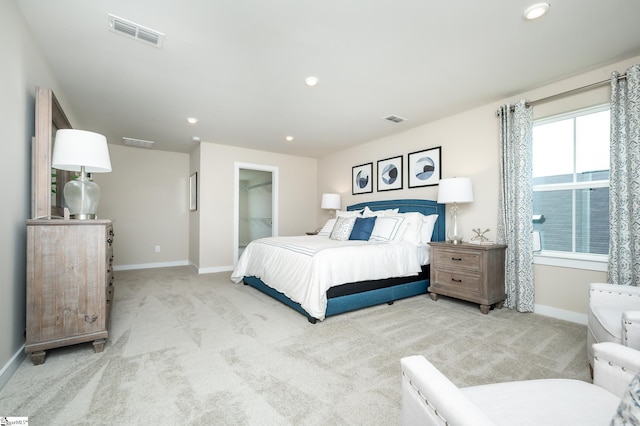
(613, 316)
(429, 398)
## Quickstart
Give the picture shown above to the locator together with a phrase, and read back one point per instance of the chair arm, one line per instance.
(625, 297)
(631, 329)
(429, 398)
(614, 366)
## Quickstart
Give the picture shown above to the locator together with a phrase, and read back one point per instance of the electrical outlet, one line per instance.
(157, 249)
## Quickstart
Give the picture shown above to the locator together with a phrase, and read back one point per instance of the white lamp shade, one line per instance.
(74, 148)
(331, 201)
(455, 190)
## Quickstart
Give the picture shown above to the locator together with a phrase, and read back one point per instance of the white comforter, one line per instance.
(304, 267)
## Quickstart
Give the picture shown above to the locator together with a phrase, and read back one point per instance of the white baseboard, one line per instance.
(11, 366)
(150, 265)
(562, 314)
(215, 269)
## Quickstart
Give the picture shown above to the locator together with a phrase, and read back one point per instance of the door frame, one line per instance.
(236, 201)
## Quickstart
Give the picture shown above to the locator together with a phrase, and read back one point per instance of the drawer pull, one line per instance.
(457, 259)
(457, 281)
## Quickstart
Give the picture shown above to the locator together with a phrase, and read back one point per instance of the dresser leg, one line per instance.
(98, 345)
(434, 296)
(485, 309)
(499, 305)
(38, 357)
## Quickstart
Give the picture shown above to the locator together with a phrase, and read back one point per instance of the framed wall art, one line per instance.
(362, 179)
(424, 168)
(193, 192)
(390, 174)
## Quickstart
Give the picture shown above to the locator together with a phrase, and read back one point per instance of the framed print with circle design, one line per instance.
(424, 168)
(390, 174)
(362, 179)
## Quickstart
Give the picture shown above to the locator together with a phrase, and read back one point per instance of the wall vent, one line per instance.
(133, 30)
(395, 118)
(137, 142)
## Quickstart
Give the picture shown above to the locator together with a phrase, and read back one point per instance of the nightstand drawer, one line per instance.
(459, 259)
(457, 282)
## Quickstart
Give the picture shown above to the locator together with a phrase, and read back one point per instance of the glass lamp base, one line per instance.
(82, 197)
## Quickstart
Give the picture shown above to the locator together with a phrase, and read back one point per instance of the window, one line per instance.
(571, 184)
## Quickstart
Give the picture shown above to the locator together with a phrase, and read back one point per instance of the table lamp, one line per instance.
(453, 191)
(84, 152)
(331, 202)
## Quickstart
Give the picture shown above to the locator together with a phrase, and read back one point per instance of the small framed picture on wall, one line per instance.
(362, 179)
(193, 192)
(424, 168)
(390, 174)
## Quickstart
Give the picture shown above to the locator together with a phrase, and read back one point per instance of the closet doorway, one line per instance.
(256, 195)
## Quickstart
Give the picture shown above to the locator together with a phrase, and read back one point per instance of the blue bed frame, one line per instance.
(352, 302)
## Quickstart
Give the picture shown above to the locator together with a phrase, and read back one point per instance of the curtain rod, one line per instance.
(569, 92)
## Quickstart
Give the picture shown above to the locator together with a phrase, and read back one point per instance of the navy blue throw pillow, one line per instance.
(362, 228)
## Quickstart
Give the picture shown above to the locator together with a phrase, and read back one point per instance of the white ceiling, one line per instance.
(239, 65)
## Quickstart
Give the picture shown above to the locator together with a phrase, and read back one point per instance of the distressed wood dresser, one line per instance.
(69, 284)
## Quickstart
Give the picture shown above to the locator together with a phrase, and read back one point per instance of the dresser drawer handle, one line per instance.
(457, 281)
(457, 259)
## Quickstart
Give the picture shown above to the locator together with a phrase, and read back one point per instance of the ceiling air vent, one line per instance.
(133, 30)
(137, 142)
(395, 118)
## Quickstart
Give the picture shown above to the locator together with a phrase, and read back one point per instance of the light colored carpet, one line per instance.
(198, 349)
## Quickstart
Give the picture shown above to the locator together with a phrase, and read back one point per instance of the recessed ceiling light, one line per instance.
(195, 138)
(192, 120)
(535, 11)
(311, 81)
(289, 138)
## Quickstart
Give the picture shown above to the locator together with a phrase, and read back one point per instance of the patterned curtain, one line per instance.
(624, 184)
(515, 208)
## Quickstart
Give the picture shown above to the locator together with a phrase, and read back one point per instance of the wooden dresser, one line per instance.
(69, 284)
(469, 272)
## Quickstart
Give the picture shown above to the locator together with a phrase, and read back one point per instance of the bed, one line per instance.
(321, 293)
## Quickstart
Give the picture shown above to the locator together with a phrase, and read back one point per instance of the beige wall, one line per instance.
(23, 67)
(146, 195)
(469, 142)
(297, 206)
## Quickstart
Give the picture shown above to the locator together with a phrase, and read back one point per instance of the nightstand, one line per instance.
(471, 272)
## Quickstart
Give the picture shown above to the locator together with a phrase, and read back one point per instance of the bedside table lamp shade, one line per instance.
(454, 191)
(331, 202)
(84, 152)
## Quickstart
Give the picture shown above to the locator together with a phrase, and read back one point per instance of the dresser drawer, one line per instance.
(459, 259)
(460, 283)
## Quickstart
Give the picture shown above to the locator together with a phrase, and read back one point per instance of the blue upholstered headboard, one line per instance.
(426, 207)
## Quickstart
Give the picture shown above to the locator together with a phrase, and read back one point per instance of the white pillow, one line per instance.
(342, 229)
(344, 213)
(327, 228)
(411, 228)
(370, 213)
(428, 222)
(386, 228)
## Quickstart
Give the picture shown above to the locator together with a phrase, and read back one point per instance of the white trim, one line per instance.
(236, 201)
(570, 260)
(11, 366)
(151, 265)
(550, 311)
(214, 269)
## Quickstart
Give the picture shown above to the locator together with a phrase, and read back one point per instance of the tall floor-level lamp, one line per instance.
(453, 191)
(331, 202)
(84, 152)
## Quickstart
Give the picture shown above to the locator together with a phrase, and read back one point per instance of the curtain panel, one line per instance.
(624, 181)
(515, 208)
